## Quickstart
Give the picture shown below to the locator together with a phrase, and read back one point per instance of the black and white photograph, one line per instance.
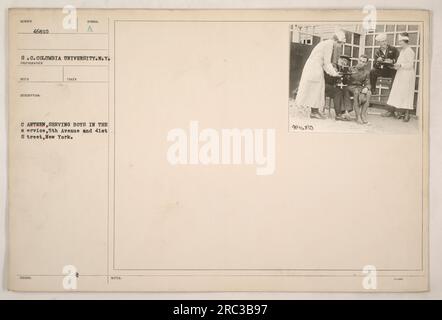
(347, 78)
(219, 156)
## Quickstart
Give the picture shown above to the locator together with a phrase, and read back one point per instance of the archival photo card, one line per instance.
(218, 150)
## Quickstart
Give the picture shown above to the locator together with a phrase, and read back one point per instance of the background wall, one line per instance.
(435, 141)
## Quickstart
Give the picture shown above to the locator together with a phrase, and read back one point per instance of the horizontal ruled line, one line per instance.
(61, 65)
(225, 275)
(62, 81)
(61, 33)
(65, 49)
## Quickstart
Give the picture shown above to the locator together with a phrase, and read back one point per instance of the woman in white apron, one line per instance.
(402, 92)
(311, 90)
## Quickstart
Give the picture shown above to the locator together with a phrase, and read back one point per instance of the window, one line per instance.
(380, 28)
(369, 40)
(351, 46)
(389, 28)
(355, 52)
(369, 52)
(413, 38)
(356, 39)
(390, 38)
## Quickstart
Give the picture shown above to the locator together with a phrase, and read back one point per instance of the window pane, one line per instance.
(389, 28)
(347, 51)
(413, 27)
(347, 37)
(369, 40)
(401, 27)
(369, 52)
(413, 38)
(416, 84)
(417, 68)
(380, 28)
(356, 38)
(355, 52)
(339, 50)
(390, 39)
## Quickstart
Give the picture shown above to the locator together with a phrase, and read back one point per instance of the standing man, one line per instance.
(359, 87)
(384, 59)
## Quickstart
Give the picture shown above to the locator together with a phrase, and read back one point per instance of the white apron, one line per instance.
(311, 90)
(402, 91)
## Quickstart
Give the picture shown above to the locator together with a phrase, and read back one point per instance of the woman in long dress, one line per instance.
(311, 90)
(402, 92)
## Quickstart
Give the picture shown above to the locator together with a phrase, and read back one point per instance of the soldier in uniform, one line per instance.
(359, 87)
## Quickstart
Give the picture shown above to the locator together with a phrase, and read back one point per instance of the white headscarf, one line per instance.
(401, 37)
(340, 35)
(381, 37)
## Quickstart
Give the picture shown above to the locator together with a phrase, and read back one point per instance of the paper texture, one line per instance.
(164, 151)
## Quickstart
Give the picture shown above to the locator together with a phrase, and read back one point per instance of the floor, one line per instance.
(299, 120)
